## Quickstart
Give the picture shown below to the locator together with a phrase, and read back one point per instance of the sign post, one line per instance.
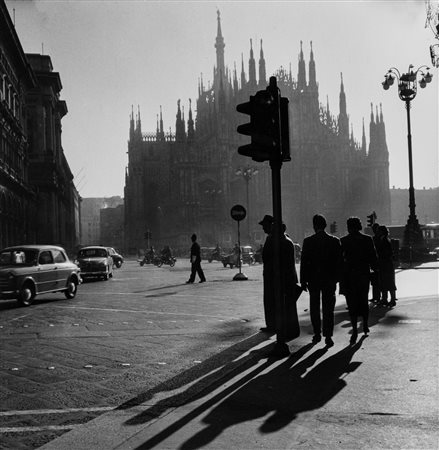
(238, 213)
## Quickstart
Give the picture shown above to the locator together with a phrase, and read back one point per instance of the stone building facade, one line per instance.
(184, 182)
(38, 200)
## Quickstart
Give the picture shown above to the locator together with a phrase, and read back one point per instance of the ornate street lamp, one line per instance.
(247, 173)
(407, 89)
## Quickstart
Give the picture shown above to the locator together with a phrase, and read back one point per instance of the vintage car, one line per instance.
(232, 260)
(116, 257)
(95, 261)
(30, 270)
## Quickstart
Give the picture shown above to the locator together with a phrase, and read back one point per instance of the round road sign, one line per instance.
(238, 212)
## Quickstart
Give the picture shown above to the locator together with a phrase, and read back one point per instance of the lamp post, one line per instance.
(247, 173)
(407, 89)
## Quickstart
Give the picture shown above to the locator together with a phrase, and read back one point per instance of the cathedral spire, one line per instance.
(179, 125)
(243, 80)
(342, 96)
(219, 45)
(139, 123)
(132, 123)
(190, 123)
(301, 77)
(251, 67)
(162, 133)
(262, 72)
(343, 119)
(312, 70)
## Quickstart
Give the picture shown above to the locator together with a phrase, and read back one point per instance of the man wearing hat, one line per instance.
(267, 260)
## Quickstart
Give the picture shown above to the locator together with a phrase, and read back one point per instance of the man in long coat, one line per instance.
(267, 260)
(359, 259)
(320, 270)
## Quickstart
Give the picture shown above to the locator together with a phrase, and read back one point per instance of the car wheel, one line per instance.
(105, 277)
(118, 264)
(26, 295)
(72, 287)
(172, 263)
(142, 263)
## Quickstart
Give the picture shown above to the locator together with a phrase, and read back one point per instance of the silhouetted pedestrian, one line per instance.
(267, 260)
(359, 258)
(386, 268)
(289, 279)
(375, 280)
(196, 262)
(320, 270)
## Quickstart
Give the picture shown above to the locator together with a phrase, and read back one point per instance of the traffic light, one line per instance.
(268, 127)
(262, 128)
(371, 218)
(333, 227)
(285, 129)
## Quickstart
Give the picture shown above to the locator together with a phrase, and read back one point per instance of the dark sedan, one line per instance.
(95, 261)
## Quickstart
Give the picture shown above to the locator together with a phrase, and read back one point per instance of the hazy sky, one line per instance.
(114, 54)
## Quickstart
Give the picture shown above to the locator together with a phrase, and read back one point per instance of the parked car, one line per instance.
(232, 260)
(30, 270)
(95, 261)
(116, 257)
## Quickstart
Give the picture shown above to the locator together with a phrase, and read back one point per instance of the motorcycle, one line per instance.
(169, 260)
(147, 259)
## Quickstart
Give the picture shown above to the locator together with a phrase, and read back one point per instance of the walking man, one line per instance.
(320, 270)
(195, 262)
(359, 258)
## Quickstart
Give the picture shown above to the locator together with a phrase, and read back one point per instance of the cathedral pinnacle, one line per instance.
(312, 70)
(262, 72)
(301, 77)
(252, 67)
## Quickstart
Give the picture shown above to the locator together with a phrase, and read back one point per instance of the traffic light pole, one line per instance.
(281, 348)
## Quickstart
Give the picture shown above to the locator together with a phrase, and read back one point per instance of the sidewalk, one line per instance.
(380, 393)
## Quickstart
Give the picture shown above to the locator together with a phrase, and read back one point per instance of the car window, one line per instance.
(91, 253)
(45, 257)
(19, 257)
(58, 256)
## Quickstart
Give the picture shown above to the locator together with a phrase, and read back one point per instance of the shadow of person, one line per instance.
(159, 437)
(287, 390)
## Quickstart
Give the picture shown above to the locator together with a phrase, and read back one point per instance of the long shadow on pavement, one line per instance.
(285, 391)
(219, 367)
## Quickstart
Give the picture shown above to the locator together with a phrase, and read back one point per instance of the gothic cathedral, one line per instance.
(186, 182)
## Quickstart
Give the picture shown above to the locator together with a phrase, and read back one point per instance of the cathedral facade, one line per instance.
(187, 181)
